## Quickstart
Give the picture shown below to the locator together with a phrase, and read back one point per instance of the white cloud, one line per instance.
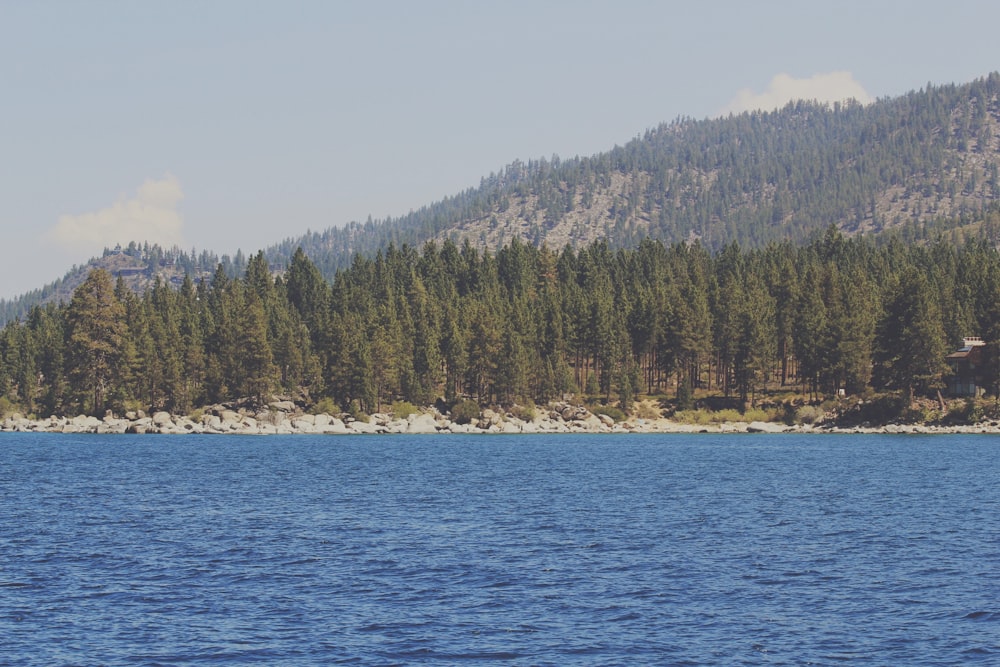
(828, 88)
(151, 215)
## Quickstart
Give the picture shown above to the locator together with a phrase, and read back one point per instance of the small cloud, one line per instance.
(825, 88)
(151, 215)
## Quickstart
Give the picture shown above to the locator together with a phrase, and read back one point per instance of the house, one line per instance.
(967, 363)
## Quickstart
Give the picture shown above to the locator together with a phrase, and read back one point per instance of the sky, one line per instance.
(235, 124)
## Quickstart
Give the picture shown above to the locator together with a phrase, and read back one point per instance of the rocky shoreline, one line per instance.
(284, 418)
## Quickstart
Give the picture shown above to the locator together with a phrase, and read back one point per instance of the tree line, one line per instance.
(522, 324)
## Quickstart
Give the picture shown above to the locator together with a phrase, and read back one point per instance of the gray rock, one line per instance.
(421, 423)
(510, 427)
(335, 427)
(363, 427)
(162, 419)
(765, 427)
(303, 425)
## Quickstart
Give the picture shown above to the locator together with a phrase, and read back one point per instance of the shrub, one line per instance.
(685, 397)
(699, 417)
(611, 411)
(325, 405)
(969, 411)
(524, 412)
(647, 410)
(703, 417)
(7, 407)
(465, 412)
(809, 414)
(403, 409)
(357, 414)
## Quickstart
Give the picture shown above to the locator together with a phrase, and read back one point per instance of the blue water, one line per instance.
(523, 550)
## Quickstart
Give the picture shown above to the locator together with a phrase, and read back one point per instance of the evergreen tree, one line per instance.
(96, 329)
(912, 343)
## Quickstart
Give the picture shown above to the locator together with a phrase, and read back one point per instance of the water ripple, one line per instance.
(529, 551)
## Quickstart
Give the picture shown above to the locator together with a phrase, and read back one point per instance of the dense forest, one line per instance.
(915, 167)
(522, 324)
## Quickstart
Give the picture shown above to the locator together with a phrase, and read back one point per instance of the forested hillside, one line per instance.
(522, 324)
(140, 266)
(914, 167)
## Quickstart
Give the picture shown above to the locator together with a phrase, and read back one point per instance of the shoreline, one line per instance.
(284, 419)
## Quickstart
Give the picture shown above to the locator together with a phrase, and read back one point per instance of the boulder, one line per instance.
(85, 422)
(185, 425)
(114, 426)
(334, 427)
(303, 425)
(363, 427)
(421, 423)
(491, 417)
(162, 419)
(765, 427)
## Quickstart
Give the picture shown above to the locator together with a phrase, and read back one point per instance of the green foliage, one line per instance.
(881, 409)
(809, 414)
(704, 417)
(97, 336)
(526, 412)
(685, 397)
(647, 409)
(698, 417)
(465, 412)
(403, 409)
(325, 405)
(611, 411)
(525, 325)
(7, 407)
(356, 413)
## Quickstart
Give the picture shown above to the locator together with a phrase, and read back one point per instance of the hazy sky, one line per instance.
(235, 124)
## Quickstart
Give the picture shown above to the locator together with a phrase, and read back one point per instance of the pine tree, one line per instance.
(96, 329)
(912, 343)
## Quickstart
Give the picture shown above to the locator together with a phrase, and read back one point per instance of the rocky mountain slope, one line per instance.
(914, 166)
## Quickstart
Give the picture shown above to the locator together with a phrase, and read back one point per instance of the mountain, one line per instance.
(914, 167)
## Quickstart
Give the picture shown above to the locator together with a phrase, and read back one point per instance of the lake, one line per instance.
(523, 550)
